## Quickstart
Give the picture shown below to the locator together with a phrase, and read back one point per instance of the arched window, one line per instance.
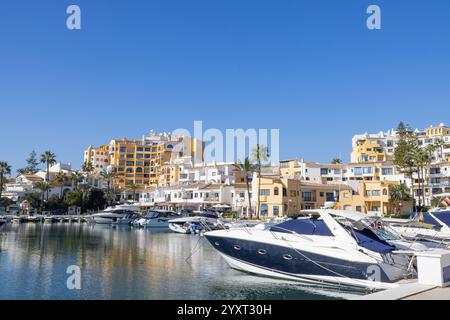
(276, 191)
(385, 192)
(138, 170)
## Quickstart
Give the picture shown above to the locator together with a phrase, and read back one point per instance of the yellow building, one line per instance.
(287, 197)
(370, 197)
(138, 162)
(437, 131)
(368, 150)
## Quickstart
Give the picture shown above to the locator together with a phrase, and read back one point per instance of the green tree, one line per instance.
(5, 169)
(439, 145)
(422, 161)
(61, 178)
(33, 199)
(399, 194)
(405, 152)
(49, 159)
(336, 161)
(43, 187)
(95, 200)
(74, 198)
(76, 179)
(32, 165)
(133, 189)
(260, 154)
(247, 168)
(109, 177)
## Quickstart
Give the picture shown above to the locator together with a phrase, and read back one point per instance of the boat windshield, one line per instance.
(443, 216)
(303, 226)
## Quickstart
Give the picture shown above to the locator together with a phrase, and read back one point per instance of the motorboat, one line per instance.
(427, 226)
(109, 216)
(195, 224)
(128, 219)
(19, 219)
(156, 219)
(51, 219)
(35, 219)
(330, 250)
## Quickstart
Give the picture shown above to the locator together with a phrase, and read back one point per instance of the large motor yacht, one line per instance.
(334, 249)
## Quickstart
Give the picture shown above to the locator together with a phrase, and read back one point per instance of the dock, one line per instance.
(409, 290)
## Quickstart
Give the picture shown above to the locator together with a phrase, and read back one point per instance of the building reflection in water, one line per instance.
(121, 263)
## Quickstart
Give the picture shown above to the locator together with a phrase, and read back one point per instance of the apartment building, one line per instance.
(198, 196)
(370, 197)
(98, 157)
(287, 197)
(138, 162)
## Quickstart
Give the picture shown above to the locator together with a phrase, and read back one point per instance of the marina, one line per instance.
(324, 254)
(126, 263)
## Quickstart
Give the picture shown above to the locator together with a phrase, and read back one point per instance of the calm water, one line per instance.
(124, 263)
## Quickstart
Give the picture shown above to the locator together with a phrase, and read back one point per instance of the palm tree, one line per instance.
(76, 178)
(259, 154)
(246, 168)
(5, 169)
(439, 145)
(49, 158)
(398, 194)
(133, 188)
(87, 169)
(61, 178)
(44, 187)
(336, 161)
(84, 188)
(421, 160)
(109, 177)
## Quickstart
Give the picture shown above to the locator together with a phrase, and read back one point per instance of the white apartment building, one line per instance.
(197, 196)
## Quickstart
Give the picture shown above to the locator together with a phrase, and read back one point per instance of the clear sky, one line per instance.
(308, 67)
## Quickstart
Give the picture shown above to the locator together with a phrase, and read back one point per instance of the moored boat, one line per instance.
(322, 251)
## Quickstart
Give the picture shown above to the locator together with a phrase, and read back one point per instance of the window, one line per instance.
(276, 211)
(435, 170)
(307, 196)
(368, 170)
(358, 171)
(276, 191)
(387, 171)
(330, 197)
(322, 194)
(264, 210)
(242, 195)
(264, 192)
(284, 192)
(323, 171)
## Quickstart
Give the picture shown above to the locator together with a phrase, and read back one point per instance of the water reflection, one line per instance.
(124, 263)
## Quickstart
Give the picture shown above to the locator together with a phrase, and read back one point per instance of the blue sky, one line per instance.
(310, 68)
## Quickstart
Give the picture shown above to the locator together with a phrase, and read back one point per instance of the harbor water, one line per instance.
(126, 263)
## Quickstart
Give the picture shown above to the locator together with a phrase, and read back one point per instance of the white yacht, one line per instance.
(323, 251)
(195, 224)
(113, 214)
(156, 219)
(428, 226)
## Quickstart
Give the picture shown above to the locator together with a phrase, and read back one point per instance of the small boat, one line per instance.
(109, 216)
(51, 219)
(426, 226)
(196, 224)
(330, 251)
(156, 219)
(19, 219)
(127, 220)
